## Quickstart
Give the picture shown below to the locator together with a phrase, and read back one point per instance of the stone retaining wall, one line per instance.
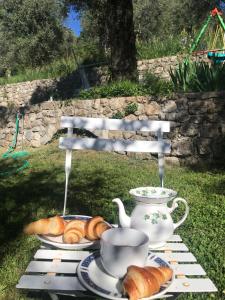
(197, 122)
(161, 66)
(41, 90)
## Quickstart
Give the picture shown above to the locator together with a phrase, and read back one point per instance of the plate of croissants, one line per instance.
(149, 282)
(68, 232)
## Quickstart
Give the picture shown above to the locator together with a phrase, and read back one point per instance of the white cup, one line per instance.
(122, 247)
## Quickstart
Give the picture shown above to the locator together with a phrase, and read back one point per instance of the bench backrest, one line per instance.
(70, 142)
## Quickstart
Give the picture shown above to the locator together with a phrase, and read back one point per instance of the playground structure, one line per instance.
(216, 55)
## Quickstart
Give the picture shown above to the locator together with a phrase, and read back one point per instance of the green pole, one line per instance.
(221, 21)
(197, 40)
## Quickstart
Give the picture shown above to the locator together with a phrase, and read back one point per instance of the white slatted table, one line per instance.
(54, 271)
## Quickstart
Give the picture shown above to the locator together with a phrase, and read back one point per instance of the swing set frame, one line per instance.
(214, 13)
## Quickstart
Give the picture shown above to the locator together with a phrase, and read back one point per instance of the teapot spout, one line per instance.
(123, 217)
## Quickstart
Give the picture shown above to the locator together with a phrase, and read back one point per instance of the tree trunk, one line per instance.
(121, 39)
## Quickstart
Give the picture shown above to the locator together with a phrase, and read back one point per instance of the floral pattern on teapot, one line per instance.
(155, 217)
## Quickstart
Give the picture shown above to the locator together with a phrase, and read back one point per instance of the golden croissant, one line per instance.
(54, 226)
(74, 231)
(145, 282)
(95, 227)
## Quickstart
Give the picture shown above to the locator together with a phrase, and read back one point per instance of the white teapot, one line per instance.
(151, 213)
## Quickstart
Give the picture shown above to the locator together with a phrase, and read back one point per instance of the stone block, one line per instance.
(188, 129)
(128, 134)
(152, 108)
(197, 107)
(116, 103)
(32, 117)
(35, 143)
(45, 139)
(104, 102)
(169, 106)
(183, 147)
(144, 117)
(48, 105)
(131, 118)
(36, 123)
(140, 110)
(116, 134)
(28, 134)
(67, 111)
(96, 104)
(172, 161)
(171, 116)
(204, 146)
(210, 130)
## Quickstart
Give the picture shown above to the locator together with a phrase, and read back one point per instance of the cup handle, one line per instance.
(174, 206)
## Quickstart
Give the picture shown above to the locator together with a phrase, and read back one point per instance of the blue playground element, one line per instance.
(222, 6)
(216, 57)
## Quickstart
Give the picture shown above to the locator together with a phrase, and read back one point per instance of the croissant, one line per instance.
(145, 282)
(78, 224)
(53, 226)
(95, 227)
(74, 231)
(90, 226)
(72, 236)
(162, 274)
(100, 228)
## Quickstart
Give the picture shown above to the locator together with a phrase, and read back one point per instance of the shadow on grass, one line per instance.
(36, 194)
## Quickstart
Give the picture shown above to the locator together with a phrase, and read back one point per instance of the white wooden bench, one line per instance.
(69, 143)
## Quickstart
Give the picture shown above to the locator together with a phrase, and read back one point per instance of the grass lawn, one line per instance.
(96, 179)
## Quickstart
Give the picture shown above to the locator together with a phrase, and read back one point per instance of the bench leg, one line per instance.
(53, 296)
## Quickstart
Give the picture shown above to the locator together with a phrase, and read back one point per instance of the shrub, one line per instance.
(131, 108)
(156, 86)
(198, 77)
(115, 89)
(118, 115)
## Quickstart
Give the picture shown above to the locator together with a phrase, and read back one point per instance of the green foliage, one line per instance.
(32, 34)
(130, 109)
(115, 89)
(96, 179)
(198, 77)
(58, 68)
(156, 86)
(147, 19)
(170, 45)
(118, 115)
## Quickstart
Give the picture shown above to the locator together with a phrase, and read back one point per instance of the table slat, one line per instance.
(50, 283)
(69, 284)
(70, 268)
(175, 238)
(173, 247)
(55, 267)
(177, 257)
(188, 269)
(61, 254)
(190, 285)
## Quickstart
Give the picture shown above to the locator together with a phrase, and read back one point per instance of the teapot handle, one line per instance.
(174, 206)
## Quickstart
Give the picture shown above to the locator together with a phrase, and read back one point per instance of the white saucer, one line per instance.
(93, 276)
(57, 241)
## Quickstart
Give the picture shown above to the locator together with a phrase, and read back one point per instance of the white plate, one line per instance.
(93, 276)
(57, 241)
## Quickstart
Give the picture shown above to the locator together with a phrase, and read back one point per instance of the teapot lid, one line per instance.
(152, 194)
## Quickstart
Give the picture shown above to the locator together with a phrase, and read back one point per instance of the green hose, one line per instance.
(15, 155)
